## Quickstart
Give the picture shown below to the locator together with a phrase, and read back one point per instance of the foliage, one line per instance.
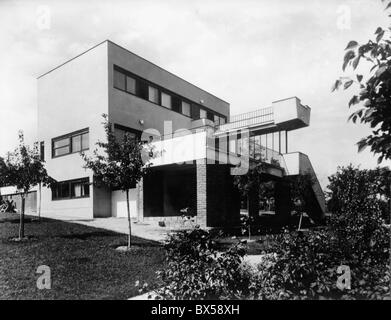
(351, 188)
(305, 264)
(246, 182)
(24, 168)
(118, 164)
(121, 164)
(374, 96)
(196, 270)
(246, 221)
(300, 188)
(300, 269)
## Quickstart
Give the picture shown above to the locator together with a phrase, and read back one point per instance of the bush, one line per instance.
(305, 265)
(300, 269)
(196, 270)
(351, 188)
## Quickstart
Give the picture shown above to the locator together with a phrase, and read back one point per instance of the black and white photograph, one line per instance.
(214, 152)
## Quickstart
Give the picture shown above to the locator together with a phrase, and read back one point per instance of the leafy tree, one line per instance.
(374, 95)
(351, 188)
(245, 183)
(24, 169)
(120, 166)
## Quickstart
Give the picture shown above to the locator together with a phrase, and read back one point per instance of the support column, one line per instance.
(283, 205)
(140, 200)
(201, 193)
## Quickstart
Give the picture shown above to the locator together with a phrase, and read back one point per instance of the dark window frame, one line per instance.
(42, 150)
(160, 89)
(83, 181)
(70, 136)
(138, 133)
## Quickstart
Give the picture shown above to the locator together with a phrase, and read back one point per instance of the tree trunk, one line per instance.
(129, 223)
(39, 203)
(21, 224)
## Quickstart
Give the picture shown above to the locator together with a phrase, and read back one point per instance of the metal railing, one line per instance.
(248, 119)
(267, 155)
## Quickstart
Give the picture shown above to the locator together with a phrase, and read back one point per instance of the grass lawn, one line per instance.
(83, 262)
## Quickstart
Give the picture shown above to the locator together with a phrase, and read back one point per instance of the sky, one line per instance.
(248, 53)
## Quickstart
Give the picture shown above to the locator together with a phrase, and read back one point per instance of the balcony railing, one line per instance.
(267, 155)
(253, 118)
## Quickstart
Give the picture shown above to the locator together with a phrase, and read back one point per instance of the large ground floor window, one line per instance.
(71, 189)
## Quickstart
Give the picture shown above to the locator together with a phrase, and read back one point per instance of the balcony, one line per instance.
(287, 114)
(247, 120)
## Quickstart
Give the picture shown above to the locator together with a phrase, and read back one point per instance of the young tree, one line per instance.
(24, 169)
(374, 96)
(121, 165)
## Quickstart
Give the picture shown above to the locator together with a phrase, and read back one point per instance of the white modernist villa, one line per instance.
(200, 145)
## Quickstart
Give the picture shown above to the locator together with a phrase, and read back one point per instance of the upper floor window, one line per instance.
(153, 95)
(126, 81)
(166, 100)
(130, 85)
(42, 150)
(186, 109)
(70, 143)
(121, 131)
(202, 114)
(142, 89)
(176, 104)
(119, 80)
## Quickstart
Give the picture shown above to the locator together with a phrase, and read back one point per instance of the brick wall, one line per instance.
(201, 168)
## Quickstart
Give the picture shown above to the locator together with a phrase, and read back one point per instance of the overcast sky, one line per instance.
(249, 53)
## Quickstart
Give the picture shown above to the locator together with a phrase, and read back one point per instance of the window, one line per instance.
(153, 95)
(70, 143)
(222, 120)
(76, 143)
(61, 147)
(210, 116)
(166, 100)
(130, 85)
(79, 188)
(119, 80)
(176, 104)
(195, 111)
(186, 109)
(120, 131)
(42, 150)
(142, 89)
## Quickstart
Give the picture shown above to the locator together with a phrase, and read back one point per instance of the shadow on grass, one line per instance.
(85, 236)
(26, 220)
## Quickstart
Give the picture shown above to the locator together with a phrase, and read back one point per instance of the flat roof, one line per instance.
(154, 64)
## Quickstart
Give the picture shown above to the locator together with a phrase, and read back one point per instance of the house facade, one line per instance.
(198, 147)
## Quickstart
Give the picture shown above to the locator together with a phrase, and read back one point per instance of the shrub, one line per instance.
(351, 188)
(305, 265)
(196, 270)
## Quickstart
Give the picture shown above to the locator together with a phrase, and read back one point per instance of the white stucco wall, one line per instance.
(118, 203)
(290, 109)
(70, 98)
